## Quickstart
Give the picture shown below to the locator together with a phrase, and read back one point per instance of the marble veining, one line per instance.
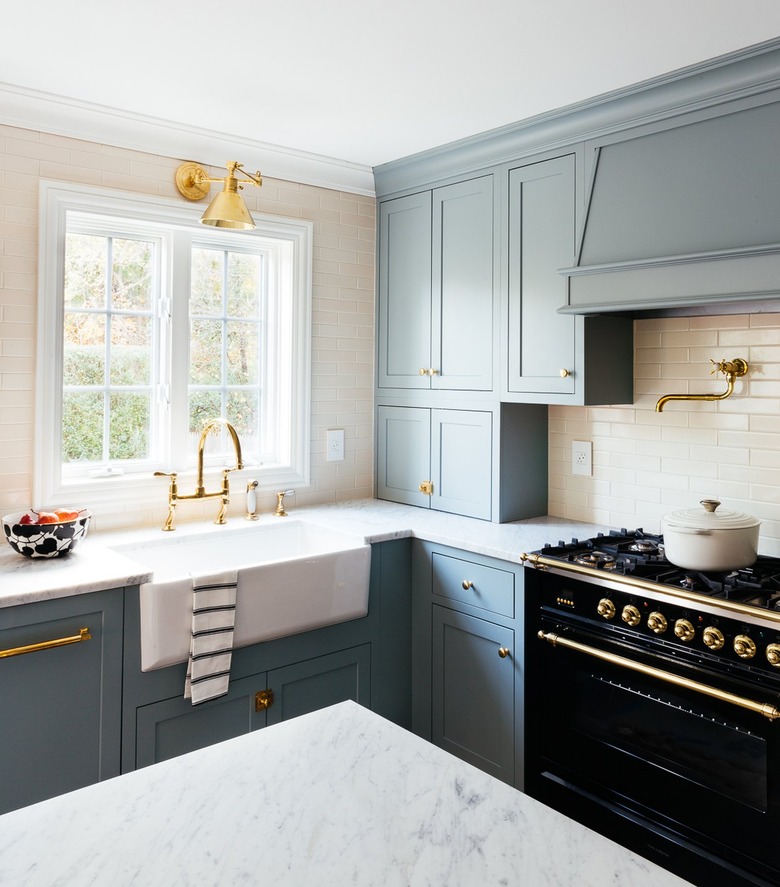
(92, 567)
(337, 797)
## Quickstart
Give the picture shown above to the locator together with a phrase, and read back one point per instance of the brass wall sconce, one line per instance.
(731, 369)
(227, 209)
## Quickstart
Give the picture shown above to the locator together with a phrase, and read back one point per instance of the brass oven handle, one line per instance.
(83, 635)
(761, 708)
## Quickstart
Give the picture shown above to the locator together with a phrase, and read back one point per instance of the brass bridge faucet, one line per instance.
(200, 490)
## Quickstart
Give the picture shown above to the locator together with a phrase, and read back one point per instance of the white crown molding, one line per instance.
(44, 112)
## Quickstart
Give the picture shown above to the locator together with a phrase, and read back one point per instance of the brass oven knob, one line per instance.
(684, 630)
(657, 622)
(773, 655)
(713, 638)
(631, 615)
(606, 608)
(744, 646)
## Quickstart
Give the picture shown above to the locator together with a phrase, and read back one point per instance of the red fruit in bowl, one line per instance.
(27, 519)
(63, 514)
(47, 517)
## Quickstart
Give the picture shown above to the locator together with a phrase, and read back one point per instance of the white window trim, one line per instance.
(55, 200)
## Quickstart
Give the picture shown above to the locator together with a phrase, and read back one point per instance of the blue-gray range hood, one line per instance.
(683, 213)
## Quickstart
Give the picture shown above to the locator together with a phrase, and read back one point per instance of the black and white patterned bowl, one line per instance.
(45, 540)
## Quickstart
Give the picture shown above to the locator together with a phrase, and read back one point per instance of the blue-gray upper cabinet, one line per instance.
(554, 357)
(437, 272)
(60, 696)
(439, 459)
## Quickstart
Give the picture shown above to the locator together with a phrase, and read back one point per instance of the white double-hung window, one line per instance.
(150, 325)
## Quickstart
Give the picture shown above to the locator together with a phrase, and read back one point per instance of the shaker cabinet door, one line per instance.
(404, 270)
(461, 448)
(541, 342)
(473, 686)
(60, 700)
(463, 275)
(403, 454)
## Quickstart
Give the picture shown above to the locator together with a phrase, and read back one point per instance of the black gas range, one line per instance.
(653, 703)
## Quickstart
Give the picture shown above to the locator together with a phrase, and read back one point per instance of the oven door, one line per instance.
(678, 752)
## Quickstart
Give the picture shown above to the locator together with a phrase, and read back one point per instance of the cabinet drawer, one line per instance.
(478, 585)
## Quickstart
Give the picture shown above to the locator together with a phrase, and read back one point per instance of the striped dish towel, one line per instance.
(211, 647)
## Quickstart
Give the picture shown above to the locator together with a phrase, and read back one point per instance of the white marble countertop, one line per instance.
(94, 567)
(337, 797)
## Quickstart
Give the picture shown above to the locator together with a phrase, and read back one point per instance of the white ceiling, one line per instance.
(362, 81)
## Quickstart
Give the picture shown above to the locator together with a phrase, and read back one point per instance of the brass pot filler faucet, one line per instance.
(731, 369)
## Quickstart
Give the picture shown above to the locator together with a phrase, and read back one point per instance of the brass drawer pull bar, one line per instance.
(83, 635)
(762, 708)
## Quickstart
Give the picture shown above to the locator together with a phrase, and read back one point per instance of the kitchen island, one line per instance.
(340, 796)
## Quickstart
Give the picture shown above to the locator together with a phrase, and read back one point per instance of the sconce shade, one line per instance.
(228, 210)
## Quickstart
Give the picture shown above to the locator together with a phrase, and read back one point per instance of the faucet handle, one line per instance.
(165, 474)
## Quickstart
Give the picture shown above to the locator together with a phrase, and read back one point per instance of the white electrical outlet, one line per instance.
(335, 445)
(582, 457)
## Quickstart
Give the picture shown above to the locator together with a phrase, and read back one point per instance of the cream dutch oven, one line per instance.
(710, 540)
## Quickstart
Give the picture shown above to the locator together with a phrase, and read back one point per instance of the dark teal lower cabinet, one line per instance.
(60, 701)
(175, 726)
(468, 658)
(473, 699)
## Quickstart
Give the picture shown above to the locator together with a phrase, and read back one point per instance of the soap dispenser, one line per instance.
(251, 501)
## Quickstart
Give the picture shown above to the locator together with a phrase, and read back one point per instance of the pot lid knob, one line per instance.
(710, 505)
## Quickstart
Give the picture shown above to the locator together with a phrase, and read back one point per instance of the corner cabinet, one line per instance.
(60, 696)
(554, 357)
(436, 458)
(437, 273)
(467, 658)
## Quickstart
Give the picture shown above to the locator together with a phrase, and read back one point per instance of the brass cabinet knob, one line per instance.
(657, 622)
(773, 655)
(423, 371)
(744, 646)
(713, 638)
(631, 615)
(503, 652)
(606, 608)
(467, 584)
(684, 630)
(565, 373)
(433, 372)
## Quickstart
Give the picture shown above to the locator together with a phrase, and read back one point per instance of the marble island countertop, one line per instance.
(336, 797)
(93, 566)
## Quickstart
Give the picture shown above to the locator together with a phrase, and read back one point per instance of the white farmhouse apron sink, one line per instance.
(292, 577)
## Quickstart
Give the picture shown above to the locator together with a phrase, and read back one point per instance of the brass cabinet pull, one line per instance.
(467, 584)
(565, 373)
(762, 708)
(503, 652)
(426, 487)
(83, 635)
(423, 371)
(264, 699)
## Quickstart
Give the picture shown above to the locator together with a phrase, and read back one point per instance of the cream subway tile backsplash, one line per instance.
(343, 307)
(646, 464)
